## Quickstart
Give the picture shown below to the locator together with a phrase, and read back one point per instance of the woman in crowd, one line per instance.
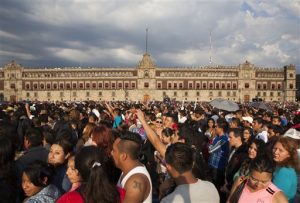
(36, 184)
(158, 126)
(287, 162)
(86, 135)
(73, 173)
(211, 130)
(58, 157)
(95, 186)
(7, 170)
(248, 135)
(256, 148)
(258, 186)
(102, 137)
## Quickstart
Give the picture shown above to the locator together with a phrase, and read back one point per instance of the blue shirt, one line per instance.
(218, 152)
(285, 178)
(117, 121)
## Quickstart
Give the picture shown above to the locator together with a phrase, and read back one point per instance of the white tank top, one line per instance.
(138, 169)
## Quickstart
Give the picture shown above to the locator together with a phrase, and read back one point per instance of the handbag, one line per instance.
(237, 193)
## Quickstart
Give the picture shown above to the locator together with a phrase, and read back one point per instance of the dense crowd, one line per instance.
(131, 152)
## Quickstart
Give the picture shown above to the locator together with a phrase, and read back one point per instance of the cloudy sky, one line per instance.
(51, 33)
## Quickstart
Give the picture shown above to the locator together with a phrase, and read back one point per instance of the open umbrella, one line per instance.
(224, 104)
(261, 105)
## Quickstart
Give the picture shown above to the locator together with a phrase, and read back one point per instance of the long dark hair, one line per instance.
(96, 187)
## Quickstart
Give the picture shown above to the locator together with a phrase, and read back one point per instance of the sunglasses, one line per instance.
(159, 122)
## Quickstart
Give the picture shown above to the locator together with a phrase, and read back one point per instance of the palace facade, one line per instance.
(146, 81)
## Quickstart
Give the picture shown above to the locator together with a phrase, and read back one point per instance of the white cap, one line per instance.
(248, 118)
(292, 133)
(96, 112)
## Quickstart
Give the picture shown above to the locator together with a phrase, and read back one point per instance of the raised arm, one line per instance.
(151, 135)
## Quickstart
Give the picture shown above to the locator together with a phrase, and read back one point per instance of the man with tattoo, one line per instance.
(179, 162)
(135, 178)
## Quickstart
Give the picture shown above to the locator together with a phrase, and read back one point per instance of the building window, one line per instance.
(106, 85)
(48, 86)
(113, 94)
(68, 86)
(169, 85)
(186, 94)
(175, 94)
(217, 86)
(74, 85)
(204, 86)
(228, 94)
(120, 85)
(100, 85)
(164, 94)
(210, 94)
(54, 86)
(234, 85)
(291, 75)
(87, 94)
(61, 86)
(291, 86)
(223, 86)
(87, 85)
(190, 85)
(271, 94)
(234, 94)
(198, 94)
(113, 85)
(219, 94)
(94, 85)
(61, 94)
(258, 94)
(48, 94)
(246, 85)
(211, 85)
(175, 85)
(27, 94)
(74, 94)
(279, 86)
(198, 85)
(158, 85)
(126, 85)
(278, 94)
(228, 86)
(27, 86)
(35, 94)
(100, 94)
(273, 86)
(12, 86)
(81, 85)
(259, 86)
(264, 94)
(146, 85)
(133, 85)
(264, 86)
(35, 86)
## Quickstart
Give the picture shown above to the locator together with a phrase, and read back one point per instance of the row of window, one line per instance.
(78, 74)
(197, 74)
(74, 94)
(42, 86)
(197, 86)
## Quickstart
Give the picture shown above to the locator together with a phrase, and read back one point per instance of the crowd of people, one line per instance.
(127, 152)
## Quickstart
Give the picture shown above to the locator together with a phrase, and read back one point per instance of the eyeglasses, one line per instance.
(159, 122)
(264, 182)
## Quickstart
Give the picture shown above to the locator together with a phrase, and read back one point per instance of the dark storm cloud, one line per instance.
(112, 33)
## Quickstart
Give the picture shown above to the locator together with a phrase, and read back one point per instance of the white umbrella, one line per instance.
(224, 104)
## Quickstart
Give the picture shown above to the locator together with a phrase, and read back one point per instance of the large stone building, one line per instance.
(146, 81)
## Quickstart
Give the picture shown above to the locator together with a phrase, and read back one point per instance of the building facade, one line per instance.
(146, 81)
